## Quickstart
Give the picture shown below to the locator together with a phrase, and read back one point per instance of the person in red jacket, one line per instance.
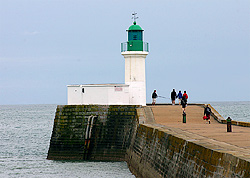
(185, 95)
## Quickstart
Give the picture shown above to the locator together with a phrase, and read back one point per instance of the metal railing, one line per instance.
(124, 46)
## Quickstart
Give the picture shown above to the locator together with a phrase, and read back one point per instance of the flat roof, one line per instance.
(100, 85)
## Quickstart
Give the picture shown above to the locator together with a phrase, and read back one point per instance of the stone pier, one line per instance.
(153, 140)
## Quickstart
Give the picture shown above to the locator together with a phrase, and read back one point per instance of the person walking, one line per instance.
(185, 95)
(179, 96)
(173, 96)
(183, 104)
(154, 96)
(207, 113)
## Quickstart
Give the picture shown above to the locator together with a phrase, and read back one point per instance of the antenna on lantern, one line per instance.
(134, 14)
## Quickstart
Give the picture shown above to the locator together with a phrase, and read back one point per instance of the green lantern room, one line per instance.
(135, 36)
(135, 39)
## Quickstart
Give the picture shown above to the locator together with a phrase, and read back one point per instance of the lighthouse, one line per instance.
(133, 92)
(135, 51)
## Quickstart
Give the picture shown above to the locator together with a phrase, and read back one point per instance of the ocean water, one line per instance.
(25, 132)
(237, 110)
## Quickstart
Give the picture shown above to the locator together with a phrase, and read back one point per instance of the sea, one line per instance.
(25, 132)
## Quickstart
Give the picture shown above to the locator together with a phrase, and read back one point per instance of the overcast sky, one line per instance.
(201, 46)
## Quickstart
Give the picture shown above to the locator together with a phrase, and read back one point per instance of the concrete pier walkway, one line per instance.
(237, 141)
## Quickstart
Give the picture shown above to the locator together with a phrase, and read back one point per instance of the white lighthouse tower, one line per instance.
(135, 52)
(133, 92)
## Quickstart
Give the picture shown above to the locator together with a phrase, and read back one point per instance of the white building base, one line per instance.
(101, 94)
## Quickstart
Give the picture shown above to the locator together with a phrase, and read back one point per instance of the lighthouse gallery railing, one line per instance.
(124, 46)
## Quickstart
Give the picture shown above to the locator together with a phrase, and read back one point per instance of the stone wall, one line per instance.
(157, 152)
(161, 151)
(110, 132)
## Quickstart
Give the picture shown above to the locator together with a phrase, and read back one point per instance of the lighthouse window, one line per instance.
(134, 37)
(83, 90)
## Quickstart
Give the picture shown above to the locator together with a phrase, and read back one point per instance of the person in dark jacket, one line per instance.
(207, 113)
(154, 96)
(173, 96)
(183, 103)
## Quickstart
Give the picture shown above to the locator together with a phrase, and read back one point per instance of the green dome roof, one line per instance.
(134, 27)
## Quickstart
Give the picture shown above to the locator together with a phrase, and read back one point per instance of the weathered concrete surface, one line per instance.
(171, 116)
